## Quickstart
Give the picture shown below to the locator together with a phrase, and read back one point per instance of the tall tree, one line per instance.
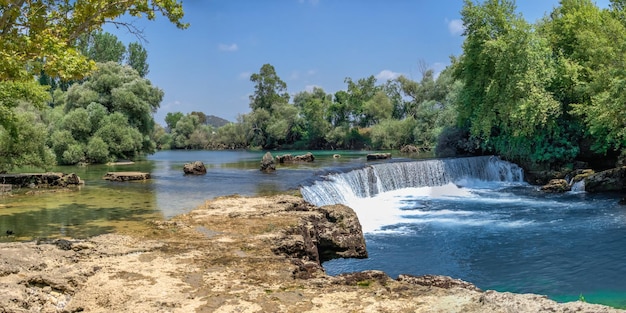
(102, 47)
(138, 58)
(269, 89)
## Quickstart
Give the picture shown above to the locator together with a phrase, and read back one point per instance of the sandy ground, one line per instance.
(219, 258)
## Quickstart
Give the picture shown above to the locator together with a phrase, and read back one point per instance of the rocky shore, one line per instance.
(235, 254)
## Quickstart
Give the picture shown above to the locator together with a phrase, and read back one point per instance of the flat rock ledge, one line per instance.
(126, 176)
(234, 254)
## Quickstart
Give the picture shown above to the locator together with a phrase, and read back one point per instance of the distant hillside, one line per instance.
(216, 121)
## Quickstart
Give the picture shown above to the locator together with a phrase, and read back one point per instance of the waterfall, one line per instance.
(374, 179)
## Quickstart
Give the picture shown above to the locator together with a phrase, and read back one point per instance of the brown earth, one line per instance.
(234, 254)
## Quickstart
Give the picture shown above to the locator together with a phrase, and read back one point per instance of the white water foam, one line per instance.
(389, 193)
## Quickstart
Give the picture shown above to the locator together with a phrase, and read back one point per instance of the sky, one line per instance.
(310, 43)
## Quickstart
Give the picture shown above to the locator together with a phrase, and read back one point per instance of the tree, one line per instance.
(102, 47)
(138, 58)
(108, 116)
(269, 89)
(506, 70)
(41, 36)
(172, 118)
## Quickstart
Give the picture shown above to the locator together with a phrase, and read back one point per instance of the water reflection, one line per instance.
(102, 206)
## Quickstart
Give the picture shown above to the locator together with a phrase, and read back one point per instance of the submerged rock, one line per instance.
(194, 168)
(126, 176)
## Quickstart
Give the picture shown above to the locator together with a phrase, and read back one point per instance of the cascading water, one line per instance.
(369, 181)
(477, 220)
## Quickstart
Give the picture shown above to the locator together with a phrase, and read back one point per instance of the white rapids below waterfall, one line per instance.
(377, 192)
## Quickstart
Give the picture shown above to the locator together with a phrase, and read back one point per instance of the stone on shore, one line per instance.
(267, 163)
(194, 168)
(126, 176)
(378, 156)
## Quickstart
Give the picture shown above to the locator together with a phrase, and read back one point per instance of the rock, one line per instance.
(580, 174)
(335, 232)
(126, 176)
(285, 158)
(556, 186)
(409, 149)
(267, 163)
(378, 156)
(445, 282)
(35, 180)
(308, 157)
(195, 168)
(336, 156)
(69, 179)
(609, 180)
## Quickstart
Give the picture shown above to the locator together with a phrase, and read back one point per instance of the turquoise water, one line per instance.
(494, 230)
(502, 235)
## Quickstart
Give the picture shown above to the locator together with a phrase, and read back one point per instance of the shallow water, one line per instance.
(101, 206)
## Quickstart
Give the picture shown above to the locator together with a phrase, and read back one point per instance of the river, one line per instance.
(473, 219)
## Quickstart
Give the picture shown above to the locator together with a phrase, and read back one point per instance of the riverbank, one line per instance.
(234, 254)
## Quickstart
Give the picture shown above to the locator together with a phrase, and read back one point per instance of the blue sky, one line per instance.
(309, 42)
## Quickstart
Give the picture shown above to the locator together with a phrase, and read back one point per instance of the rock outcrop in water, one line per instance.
(194, 168)
(36, 180)
(286, 158)
(268, 164)
(609, 180)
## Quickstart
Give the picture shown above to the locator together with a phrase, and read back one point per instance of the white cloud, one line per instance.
(228, 48)
(245, 75)
(455, 27)
(387, 75)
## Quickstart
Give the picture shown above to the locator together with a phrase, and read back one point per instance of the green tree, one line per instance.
(138, 58)
(40, 37)
(269, 89)
(102, 47)
(172, 118)
(314, 110)
(506, 70)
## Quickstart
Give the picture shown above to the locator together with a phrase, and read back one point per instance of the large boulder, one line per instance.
(609, 180)
(267, 163)
(330, 232)
(194, 168)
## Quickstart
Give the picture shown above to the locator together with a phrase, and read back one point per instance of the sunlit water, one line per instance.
(493, 230)
(499, 234)
(101, 206)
